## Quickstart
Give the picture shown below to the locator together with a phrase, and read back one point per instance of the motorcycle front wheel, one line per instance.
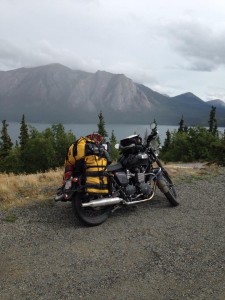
(89, 215)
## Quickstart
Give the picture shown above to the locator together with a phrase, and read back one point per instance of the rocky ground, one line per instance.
(152, 251)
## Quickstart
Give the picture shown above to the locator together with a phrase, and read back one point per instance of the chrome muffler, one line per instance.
(103, 202)
(59, 197)
(112, 201)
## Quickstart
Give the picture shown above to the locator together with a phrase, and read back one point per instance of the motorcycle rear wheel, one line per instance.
(171, 195)
(88, 215)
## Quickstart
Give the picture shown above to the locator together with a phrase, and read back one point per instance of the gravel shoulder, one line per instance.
(152, 251)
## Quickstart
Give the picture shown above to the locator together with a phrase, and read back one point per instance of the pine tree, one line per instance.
(114, 151)
(212, 121)
(155, 130)
(101, 126)
(166, 147)
(182, 126)
(24, 135)
(167, 142)
(6, 144)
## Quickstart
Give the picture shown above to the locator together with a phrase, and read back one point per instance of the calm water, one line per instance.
(121, 130)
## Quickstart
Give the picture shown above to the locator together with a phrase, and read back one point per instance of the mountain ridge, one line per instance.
(55, 93)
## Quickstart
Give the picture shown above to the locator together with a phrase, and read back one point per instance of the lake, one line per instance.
(120, 130)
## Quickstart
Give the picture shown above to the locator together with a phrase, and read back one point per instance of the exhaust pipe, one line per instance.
(59, 197)
(112, 201)
(103, 202)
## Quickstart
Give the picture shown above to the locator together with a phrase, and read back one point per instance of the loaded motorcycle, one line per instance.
(130, 181)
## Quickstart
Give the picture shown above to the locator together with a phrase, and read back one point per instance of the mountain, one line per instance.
(217, 103)
(55, 93)
(194, 109)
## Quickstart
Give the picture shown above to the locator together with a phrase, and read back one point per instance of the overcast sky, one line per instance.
(171, 46)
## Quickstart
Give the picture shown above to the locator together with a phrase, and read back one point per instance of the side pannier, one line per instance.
(96, 178)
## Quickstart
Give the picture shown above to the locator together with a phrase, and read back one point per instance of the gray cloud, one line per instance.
(15, 56)
(161, 46)
(202, 47)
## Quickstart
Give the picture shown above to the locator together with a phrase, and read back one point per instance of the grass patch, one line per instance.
(189, 173)
(10, 218)
(18, 190)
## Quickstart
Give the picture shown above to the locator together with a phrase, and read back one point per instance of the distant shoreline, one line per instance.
(120, 130)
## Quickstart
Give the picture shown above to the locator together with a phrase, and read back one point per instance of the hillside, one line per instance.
(55, 93)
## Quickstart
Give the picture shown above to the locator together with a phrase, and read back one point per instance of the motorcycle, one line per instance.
(132, 180)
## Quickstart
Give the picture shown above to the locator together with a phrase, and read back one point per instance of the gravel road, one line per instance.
(152, 251)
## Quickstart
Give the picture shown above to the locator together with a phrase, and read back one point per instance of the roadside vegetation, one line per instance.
(41, 151)
(32, 169)
(21, 189)
(24, 189)
(195, 143)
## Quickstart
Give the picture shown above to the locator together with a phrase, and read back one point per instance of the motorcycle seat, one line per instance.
(114, 167)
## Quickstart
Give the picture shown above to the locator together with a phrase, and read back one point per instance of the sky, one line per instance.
(171, 46)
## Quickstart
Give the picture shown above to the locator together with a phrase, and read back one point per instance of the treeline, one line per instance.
(195, 143)
(35, 151)
(39, 151)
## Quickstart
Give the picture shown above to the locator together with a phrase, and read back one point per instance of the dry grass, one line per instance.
(189, 172)
(18, 190)
(21, 189)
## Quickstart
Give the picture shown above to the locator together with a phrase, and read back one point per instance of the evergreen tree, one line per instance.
(182, 126)
(167, 142)
(114, 151)
(155, 130)
(6, 144)
(33, 132)
(40, 155)
(166, 147)
(101, 126)
(12, 163)
(61, 141)
(24, 135)
(212, 121)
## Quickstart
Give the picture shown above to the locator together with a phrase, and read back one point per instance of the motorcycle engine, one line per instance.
(145, 189)
(133, 183)
(130, 190)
